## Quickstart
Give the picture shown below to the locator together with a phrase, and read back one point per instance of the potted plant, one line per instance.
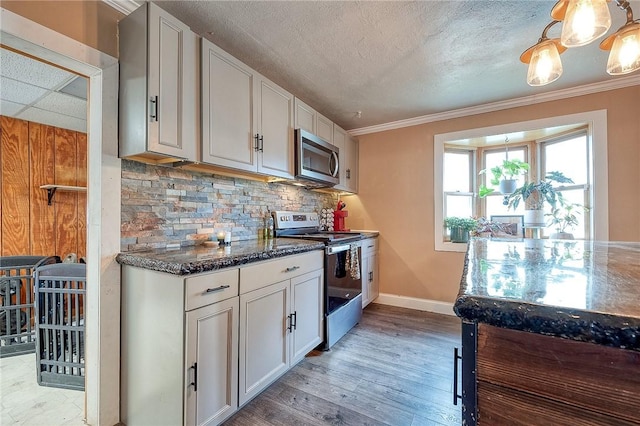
(504, 176)
(534, 195)
(564, 217)
(460, 228)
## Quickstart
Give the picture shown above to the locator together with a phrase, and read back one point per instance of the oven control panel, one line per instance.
(292, 220)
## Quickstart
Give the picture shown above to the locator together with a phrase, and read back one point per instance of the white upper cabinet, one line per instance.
(324, 128)
(247, 120)
(305, 117)
(274, 114)
(348, 170)
(159, 91)
(313, 122)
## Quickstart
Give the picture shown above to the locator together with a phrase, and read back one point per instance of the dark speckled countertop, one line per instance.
(191, 260)
(581, 290)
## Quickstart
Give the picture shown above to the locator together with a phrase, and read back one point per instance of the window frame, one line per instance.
(596, 122)
(586, 188)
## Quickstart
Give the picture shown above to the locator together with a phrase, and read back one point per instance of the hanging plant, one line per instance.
(508, 170)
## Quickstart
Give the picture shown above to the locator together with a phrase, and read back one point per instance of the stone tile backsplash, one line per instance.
(165, 206)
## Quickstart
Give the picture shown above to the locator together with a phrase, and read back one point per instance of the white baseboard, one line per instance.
(434, 306)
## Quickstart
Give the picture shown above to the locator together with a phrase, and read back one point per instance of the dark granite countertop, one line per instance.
(581, 290)
(195, 259)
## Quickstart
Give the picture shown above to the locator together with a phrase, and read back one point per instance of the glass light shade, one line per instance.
(545, 66)
(625, 52)
(585, 21)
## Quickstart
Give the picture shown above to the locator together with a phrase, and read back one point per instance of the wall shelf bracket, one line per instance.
(51, 190)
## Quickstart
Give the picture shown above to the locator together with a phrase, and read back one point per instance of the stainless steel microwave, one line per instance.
(317, 161)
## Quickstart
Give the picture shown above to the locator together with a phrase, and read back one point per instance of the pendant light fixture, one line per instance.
(625, 47)
(544, 59)
(583, 22)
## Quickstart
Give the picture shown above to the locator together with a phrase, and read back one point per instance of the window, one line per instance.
(554, 154)
(458, 182)
(492, 204)
(589, 127)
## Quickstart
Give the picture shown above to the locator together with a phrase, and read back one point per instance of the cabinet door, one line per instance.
(211, 365)
(366, 288)
(351, 164)
(274, 115)
(305, 117)
(340, 140)
(308, 331)
(264, 338)
(173, 87)
(228, 136)
(324, 128)
(374, 282)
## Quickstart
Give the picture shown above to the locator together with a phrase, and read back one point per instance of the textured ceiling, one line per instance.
(35, 91)
(392, 60)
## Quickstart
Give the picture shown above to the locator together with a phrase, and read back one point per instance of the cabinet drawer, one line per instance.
(369, 246)
(205, 289)
(273, 271)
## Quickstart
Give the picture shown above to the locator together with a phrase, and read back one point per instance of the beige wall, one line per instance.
(396, 189)
(93, 23)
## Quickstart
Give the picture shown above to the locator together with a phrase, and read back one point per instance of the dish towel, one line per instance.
(353, 263)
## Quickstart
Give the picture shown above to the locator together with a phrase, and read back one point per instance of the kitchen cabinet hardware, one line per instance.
(456, 357)
(261, 143)
(212, 290)
(153, 108)
(292, 268)
(257, 138)
(370, 276)
(290, 322)
(294, 316)
(194, 383)
(348, 173)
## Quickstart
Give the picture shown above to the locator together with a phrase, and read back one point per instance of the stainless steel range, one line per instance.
(343, 285)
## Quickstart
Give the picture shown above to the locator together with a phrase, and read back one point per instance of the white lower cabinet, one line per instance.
(179, 347)
(370, 282)
(195, 348)
(279, 322)
(211, 381)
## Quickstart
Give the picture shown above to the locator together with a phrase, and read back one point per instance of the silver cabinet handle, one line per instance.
(292, 268)
(153, 115)
(213, 290)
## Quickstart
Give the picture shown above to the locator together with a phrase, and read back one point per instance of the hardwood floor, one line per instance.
(394, 368)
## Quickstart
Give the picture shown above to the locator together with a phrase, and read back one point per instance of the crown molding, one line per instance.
(587, 89)
(124, 6)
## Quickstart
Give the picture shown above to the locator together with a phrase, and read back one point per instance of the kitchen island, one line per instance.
(550, 332)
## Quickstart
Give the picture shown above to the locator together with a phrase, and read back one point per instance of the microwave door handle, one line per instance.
(334, 157)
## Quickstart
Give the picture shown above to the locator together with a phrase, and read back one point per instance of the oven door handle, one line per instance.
(338, 249)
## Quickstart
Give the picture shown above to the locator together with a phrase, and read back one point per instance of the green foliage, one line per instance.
(466, 223)
(510, 169)
(540, 192)
(564, 216)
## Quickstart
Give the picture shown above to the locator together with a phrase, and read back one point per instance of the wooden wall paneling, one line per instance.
(66, 202)
(15, 187)
(42, 218)
(82, 196)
